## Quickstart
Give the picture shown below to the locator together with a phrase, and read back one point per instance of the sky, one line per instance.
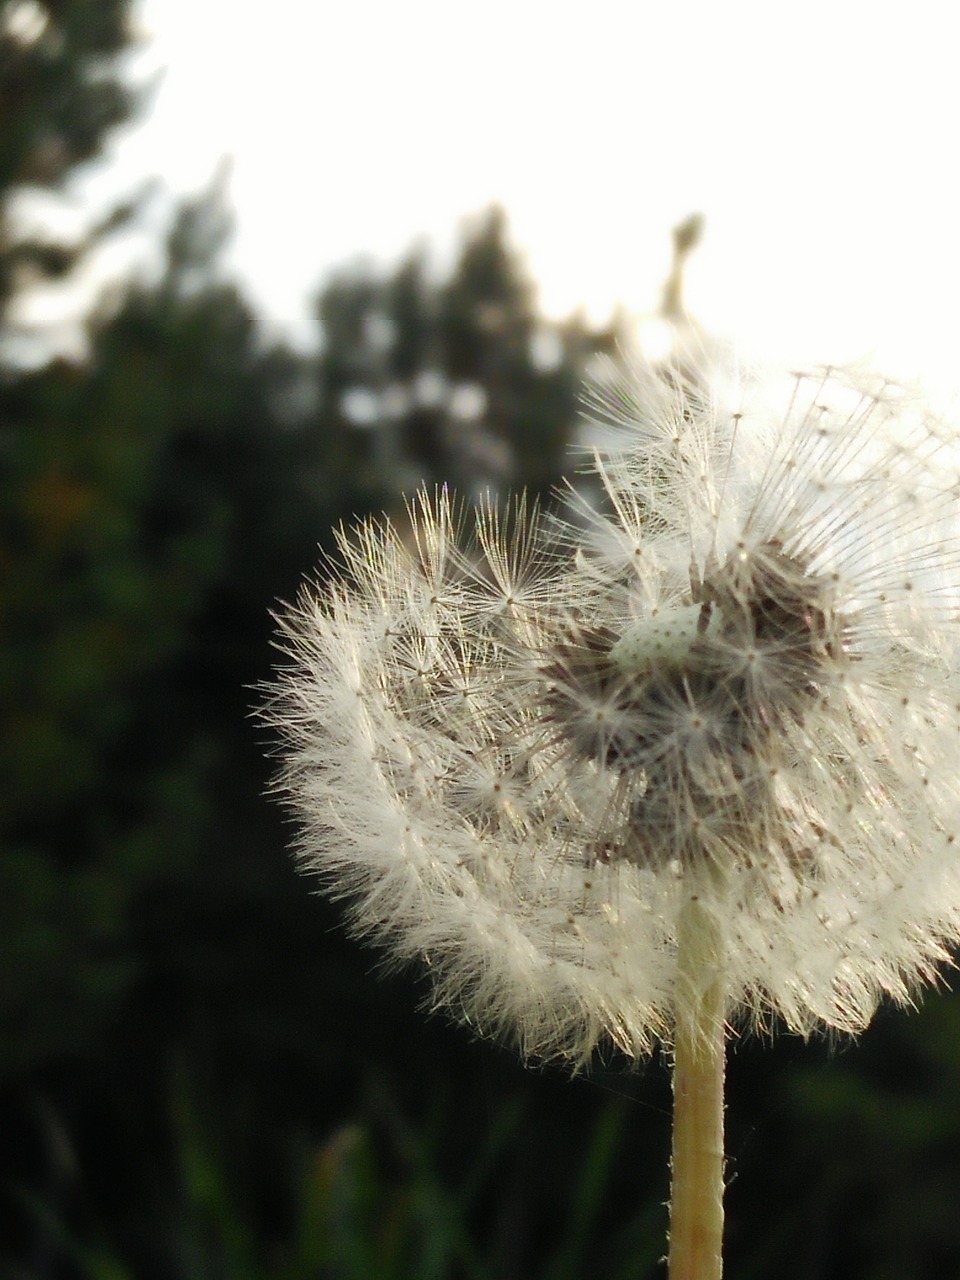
(819, 141)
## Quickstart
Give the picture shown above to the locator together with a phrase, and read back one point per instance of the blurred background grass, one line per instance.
(200, 1077)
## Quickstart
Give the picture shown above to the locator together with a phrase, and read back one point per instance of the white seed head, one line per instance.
(517, 750)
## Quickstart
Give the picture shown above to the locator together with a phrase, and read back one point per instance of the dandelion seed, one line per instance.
(688, 758)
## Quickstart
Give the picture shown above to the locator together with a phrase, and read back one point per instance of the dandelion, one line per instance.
(685, 757)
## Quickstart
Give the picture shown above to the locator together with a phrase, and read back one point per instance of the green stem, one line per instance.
(696, 1192)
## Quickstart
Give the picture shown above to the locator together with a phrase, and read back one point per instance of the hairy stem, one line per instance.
(696, 1192)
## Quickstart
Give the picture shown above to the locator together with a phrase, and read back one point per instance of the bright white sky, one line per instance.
(819, 139)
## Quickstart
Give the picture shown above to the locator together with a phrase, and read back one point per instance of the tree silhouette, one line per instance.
(61, 92)
(459, 381)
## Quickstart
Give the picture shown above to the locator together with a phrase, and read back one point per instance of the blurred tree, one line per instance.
(153, 501)
(458, 381)
(132, 489)
(61, 91)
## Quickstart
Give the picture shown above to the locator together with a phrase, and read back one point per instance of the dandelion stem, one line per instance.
(696, 1193)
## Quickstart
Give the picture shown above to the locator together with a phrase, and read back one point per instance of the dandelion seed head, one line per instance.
(516, 745)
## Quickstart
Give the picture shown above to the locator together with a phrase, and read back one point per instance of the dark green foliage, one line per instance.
(859, 1151)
